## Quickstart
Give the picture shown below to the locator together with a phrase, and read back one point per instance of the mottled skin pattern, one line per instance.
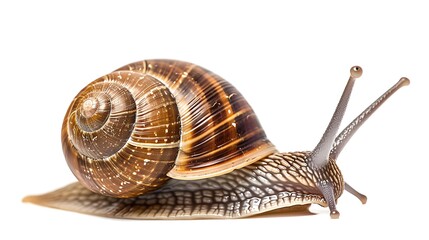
(277, 181)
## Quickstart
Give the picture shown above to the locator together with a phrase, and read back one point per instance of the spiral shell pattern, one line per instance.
(121, 134)
(220, 131)
(127, 132)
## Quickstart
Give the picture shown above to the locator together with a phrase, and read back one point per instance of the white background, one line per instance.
(290, 60)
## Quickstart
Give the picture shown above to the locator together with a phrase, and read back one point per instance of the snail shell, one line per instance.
(129, 131)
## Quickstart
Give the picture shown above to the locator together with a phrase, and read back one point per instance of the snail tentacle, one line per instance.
(343, 138)
(362, 198)
(320, 154)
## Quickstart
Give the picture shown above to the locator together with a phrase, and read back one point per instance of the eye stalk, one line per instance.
(329, 146)
(342, 138)
(320, 155)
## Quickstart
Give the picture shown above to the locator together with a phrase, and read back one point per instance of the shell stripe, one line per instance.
(219, 129)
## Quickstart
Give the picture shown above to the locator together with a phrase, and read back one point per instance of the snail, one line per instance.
(165, 139)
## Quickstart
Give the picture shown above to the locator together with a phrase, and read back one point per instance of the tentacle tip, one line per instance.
(404, 81)
(363, 199)
(335, 214)
(356, 72)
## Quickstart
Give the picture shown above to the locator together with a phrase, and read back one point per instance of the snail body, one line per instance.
(161, 139)
(268, 184)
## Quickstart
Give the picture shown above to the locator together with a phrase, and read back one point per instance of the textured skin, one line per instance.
(278, 181)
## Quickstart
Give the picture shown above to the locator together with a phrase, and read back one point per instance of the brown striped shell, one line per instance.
(127, 132)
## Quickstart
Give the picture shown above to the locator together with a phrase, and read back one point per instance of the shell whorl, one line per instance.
(121, 134)
(127, 132)
(220, 131)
